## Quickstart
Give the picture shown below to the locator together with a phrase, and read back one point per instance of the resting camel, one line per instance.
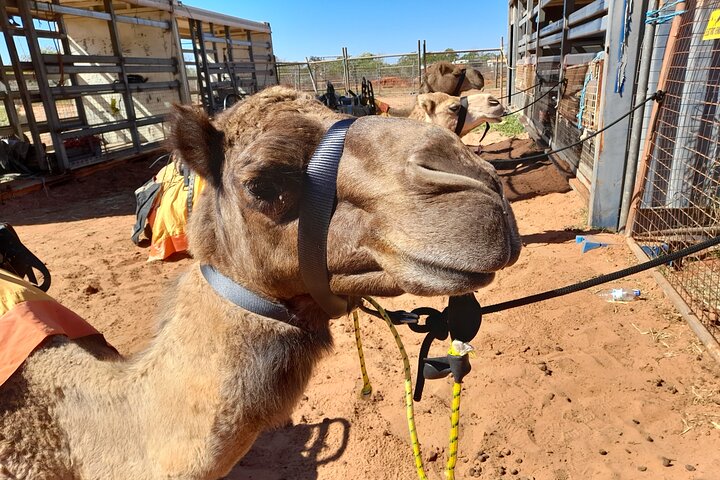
(451, 79)
(443, 109)
(416, 212)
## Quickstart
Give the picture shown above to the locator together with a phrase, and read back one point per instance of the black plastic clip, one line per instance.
(461, 320)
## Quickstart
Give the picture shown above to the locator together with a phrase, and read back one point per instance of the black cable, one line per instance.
(551, 89)
(659, 95)
(558, 292)
(523, 91)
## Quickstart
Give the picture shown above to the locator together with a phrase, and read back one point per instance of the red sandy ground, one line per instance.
(572, 388)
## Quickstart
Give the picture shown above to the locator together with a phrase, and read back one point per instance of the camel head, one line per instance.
(416, 212)
(444, 77)
(443, 109)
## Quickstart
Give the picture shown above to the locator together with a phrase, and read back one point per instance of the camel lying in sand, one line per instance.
(216, 375)
(443, 109)
(451, 79)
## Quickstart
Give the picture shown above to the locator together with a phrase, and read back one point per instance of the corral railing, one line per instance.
(389, 73)
(677, 199)
(83, 83)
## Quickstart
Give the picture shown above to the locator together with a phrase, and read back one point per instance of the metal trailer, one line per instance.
(656, 174)
(589, 45)
(86, 81)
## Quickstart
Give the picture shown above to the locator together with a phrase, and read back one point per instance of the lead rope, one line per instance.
(367, 387)
(408, 390)
(457, 349)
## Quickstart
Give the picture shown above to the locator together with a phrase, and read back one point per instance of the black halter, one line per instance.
(461, 80)
(461, 115)
(316, 210)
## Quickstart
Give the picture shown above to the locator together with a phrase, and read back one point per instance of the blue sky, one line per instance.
(307, 28)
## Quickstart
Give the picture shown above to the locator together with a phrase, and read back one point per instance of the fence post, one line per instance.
(502, 55)
(637, 118)
(419, 68)
(346, 70)
(312, 77)
(424, 55)
(611, 152)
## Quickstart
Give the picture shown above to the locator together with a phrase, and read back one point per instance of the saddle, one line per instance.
(28, 315)
(17, 259)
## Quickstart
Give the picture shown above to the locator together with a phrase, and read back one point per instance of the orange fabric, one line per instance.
(169, 213)
(27, 317)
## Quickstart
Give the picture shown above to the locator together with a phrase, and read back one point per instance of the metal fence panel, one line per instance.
(679, 198)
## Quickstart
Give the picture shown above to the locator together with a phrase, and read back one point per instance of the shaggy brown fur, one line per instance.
(444, 77)
(215, 376)
(443, 109)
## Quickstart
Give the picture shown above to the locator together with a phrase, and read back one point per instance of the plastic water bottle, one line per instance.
(619, 295)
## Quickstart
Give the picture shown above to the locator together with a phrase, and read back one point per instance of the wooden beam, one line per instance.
(43, 85)
(127, 96)
(9, 101)
(181, 67)
(79, 106)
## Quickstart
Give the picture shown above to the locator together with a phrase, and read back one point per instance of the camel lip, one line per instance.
(431, 266)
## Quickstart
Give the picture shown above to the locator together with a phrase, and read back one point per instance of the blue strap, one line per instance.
(581, 111)
(316, 210)
(661, 15)
(243, 297)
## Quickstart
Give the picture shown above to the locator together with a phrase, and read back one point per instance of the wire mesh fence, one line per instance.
(542, 113)
(390, 74)
(679, 197)
(578, 110)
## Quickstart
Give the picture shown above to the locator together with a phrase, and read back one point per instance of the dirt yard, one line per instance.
(573, 388)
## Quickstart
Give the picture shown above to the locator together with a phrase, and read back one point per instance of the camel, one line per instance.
(443, 109)
(451, 79)
(416, 212)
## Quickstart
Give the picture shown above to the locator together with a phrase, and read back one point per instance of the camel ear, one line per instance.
(458, 70)
(426, 103)
(198, 143)
(445, 68)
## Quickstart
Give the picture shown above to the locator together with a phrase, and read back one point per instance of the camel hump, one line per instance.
(27, 317)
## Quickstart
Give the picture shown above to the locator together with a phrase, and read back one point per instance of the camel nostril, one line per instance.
(493, 102)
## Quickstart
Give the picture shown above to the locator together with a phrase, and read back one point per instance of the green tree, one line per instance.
(407, 60)
(448, 55)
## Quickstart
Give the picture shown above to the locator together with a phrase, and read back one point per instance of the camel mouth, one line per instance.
(427, 276)
(432, 278)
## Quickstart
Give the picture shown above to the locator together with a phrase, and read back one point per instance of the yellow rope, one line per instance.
(454, 427)
(408, 391)
(367, 388)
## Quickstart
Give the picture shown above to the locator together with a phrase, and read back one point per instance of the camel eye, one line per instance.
(263, 191)
(454, 107)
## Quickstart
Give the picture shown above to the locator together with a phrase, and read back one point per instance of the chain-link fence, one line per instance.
(679, 198)
(390, 74)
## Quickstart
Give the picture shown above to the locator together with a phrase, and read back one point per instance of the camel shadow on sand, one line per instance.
(294, 452)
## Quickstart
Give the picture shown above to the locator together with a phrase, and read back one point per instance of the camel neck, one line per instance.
(214, 376)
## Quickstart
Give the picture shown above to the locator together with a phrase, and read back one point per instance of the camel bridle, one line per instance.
(316, 210)
(462, 115)
(461, 80)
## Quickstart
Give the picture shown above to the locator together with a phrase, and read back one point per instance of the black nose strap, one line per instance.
(316, 210)
(462, 114)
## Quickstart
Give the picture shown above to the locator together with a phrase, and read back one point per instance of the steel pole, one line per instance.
(637, 118)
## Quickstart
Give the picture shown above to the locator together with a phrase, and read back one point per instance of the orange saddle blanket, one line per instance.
(27, 317)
